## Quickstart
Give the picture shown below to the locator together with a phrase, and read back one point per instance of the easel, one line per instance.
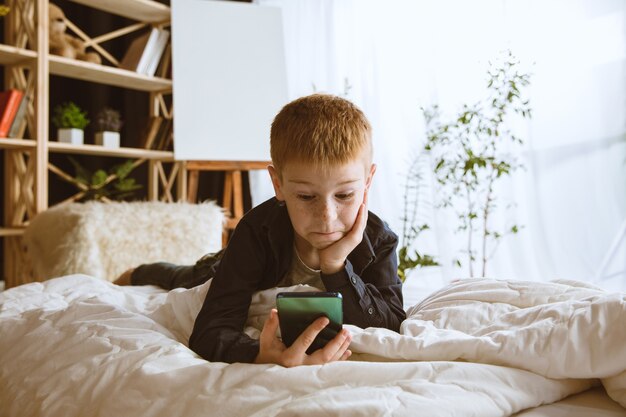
(232, 200)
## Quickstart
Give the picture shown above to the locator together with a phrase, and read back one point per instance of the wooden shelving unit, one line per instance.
(11, 55)
(28, 67)
(140, 10)
(96, 150)
(24, 144)
(101, 74)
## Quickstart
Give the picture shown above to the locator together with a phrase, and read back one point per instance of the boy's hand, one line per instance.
(272, 350)
(334, 256)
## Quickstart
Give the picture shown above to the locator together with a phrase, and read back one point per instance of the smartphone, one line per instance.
(297, 310)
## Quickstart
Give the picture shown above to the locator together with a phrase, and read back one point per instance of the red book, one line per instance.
(9, 103)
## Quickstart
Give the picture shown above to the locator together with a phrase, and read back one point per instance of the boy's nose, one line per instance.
(329, 211)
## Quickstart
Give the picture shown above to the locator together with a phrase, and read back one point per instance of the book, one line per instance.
(164, 66)
(169, 142)
(161, 138)
(157, 52)
(136, 56)
(9, 104)
(151, 131)
(19, 122)
(149, 51)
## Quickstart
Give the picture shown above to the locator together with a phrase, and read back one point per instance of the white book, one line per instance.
(157, 52)
(148, 50)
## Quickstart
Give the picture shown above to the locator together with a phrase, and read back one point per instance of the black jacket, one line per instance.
(257, 258)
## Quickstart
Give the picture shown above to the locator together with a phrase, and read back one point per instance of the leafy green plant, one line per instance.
(108, 120)
(470, 154)
(99, 185)
(69, 116)
(408, 257)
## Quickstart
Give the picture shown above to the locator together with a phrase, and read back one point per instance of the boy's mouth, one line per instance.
(328, 235)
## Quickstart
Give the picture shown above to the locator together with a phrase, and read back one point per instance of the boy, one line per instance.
(316, 231)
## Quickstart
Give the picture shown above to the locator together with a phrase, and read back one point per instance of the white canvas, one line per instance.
(229, 79)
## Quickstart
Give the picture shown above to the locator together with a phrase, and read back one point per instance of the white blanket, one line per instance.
(78, 346)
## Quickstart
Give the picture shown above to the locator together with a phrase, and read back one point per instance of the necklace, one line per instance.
(302, 262)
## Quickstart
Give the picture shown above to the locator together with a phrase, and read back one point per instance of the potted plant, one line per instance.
(105, 185)
(70, 122)
(108, 125)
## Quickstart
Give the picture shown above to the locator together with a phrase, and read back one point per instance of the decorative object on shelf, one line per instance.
(70, 121)
(163, 139)
(18, 127)
(102, 185)
(10, 102)
(145, 52)
(64, 44)
(108, 125)
(158, 134)
(4, 10)
(150, 132)
(408, 257)
(472, 151)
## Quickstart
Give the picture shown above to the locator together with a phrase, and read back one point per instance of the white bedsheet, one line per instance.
(78, 346)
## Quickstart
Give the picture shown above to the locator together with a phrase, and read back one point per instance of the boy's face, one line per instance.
(322, 203)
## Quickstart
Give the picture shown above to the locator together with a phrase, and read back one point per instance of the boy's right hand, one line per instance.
(272, 350)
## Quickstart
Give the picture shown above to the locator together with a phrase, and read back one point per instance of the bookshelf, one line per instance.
(28, 66)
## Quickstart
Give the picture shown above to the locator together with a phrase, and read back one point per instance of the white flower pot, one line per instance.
(73, 136)
(108, 139)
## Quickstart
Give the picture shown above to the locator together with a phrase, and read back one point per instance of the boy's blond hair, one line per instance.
(322, 129)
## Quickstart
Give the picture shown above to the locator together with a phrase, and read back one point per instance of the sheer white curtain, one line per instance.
(400, 55)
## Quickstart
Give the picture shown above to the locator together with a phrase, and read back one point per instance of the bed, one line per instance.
(77, 345)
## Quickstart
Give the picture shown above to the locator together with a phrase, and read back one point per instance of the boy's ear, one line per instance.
(276, 182)
(368, 180)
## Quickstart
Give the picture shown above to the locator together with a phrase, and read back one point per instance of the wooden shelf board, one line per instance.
(102, 74)
(26, 144)
(226, 165)
(59, 147)
(140, 10)
(11, 231)
(10, 55)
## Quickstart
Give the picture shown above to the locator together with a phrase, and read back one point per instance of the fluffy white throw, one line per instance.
(105, 239)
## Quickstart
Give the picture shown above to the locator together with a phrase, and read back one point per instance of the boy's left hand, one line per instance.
(273, 350)
(333, 257)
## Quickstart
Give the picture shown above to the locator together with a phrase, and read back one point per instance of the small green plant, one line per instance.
(408, 257)
(69, 116)
(4, 10)
(108, 120)
(99, 185)
(472, 152)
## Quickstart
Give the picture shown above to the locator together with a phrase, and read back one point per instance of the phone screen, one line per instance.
(297, 310)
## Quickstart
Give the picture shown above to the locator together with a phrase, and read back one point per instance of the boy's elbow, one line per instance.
(394, 322)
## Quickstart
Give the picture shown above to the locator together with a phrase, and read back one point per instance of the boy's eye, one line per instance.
(305, 197)
(344, 196)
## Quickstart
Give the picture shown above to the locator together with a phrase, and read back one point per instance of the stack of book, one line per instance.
(13, 107)
(145, 52)
(158, 135)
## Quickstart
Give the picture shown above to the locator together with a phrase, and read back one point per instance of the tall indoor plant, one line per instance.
(471, 153)
(412, 224)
